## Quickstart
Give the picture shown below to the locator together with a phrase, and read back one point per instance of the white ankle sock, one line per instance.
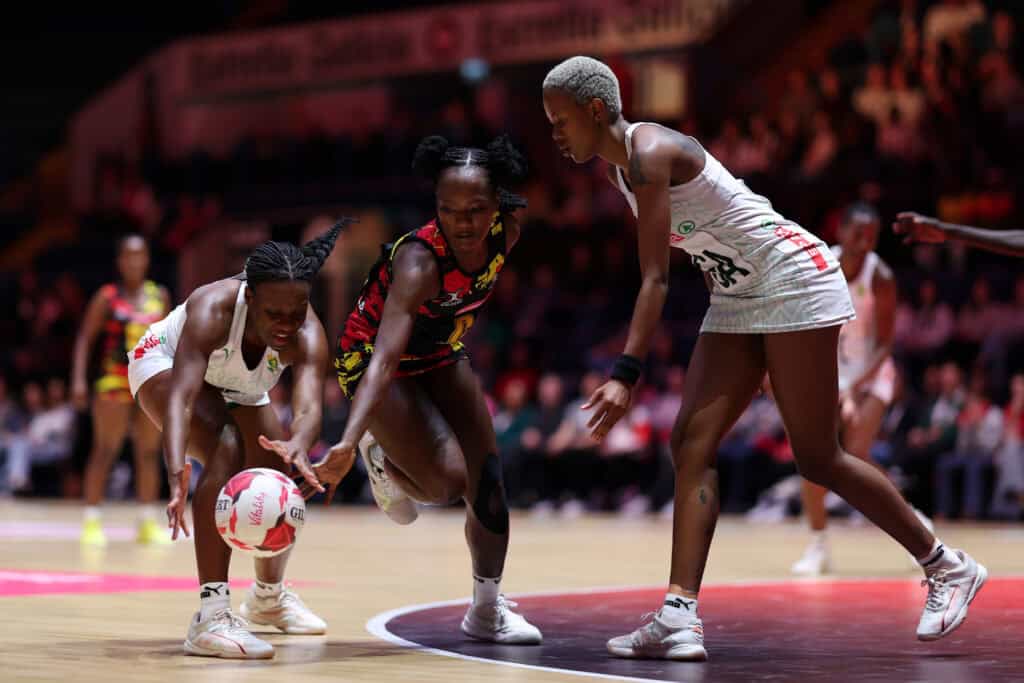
(485, 590)
(214, 596)
(819, 537)
(939, 556)
(267, 590)
(678, 610)
(92, 512)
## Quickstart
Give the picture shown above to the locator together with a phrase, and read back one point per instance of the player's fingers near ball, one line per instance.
(330, 493)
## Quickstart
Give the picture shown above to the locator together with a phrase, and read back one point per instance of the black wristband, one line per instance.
(627, 369)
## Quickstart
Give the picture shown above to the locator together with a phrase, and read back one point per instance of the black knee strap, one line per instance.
(490, 506)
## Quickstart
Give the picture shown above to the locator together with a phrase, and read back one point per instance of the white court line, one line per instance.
(377, 625)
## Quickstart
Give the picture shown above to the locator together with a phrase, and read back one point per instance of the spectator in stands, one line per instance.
(979, 433)
(799, 97)
(934, 434)
(12, 423)
(948, 19)
(909, 100)
(922, 331)
(898, 138)
(49, 436)
(749, 455)
(729, 143)
(1002, 90)
(873, 100)
(663, 406)
(1008, 497)
(574, 458)
(977, 318)
(628, 464)
(822, 149)
(514, 416)
(1005, 40)
(533, 443)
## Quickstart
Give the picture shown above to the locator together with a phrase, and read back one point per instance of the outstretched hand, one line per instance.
(179, 497)
(610, 402)
(332, 469)
(917, 228)
(296, 456)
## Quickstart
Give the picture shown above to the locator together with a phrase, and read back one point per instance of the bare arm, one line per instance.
(883, 286)
(415, 281)
(205, 329)
(650, 172)
(918, 228)
(95, 314)
(308, 372)
(308, 367)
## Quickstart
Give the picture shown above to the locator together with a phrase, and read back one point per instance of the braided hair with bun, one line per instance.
(505, 165)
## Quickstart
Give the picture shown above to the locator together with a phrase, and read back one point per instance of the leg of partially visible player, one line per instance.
(725, 372)
(269, 601)
(456, 392)
(803, 372)
(110, 421)
(216, 441)
(146, 452)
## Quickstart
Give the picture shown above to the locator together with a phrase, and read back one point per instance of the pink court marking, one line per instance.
(20, 582)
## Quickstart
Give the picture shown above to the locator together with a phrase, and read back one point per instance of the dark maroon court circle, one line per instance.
(794, 631)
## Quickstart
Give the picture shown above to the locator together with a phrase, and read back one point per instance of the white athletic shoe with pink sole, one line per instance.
(658, 640)
(225, 635)
(950, 592)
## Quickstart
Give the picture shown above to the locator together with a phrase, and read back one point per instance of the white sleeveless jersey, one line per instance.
(768, 273)
(226, 368)
(858, 339)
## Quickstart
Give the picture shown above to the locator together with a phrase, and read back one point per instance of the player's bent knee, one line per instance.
(691, 452)
(820, 471)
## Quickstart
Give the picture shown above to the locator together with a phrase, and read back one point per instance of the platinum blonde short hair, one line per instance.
(586, 79)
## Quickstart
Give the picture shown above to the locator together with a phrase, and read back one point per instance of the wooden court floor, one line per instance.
(121, 613)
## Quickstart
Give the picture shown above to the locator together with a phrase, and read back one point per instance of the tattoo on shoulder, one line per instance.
(636, 173)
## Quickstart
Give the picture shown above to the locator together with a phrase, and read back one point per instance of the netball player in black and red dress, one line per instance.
(117, 316)
(418, 412)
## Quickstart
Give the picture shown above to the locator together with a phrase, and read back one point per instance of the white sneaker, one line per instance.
(815, 561)
(658, 640)
(224, 635)
(499, 624)
(543, 509)
(390, 498)
(572, 509)
(930, 526)
(950, 591)
(284, 611)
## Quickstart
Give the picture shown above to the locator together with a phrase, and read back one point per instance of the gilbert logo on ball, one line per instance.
(260, 511)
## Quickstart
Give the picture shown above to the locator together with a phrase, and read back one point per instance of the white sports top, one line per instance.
(226, 368)
(734, 234)
(858, 338)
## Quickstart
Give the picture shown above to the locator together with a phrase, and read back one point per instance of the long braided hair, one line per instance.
(282, 261)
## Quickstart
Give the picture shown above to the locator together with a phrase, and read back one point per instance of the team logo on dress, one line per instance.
(272, 364)
(686, 227)
(150, 342)
(454, 299)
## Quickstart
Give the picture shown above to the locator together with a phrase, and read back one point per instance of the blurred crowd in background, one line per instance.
(924, 110)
